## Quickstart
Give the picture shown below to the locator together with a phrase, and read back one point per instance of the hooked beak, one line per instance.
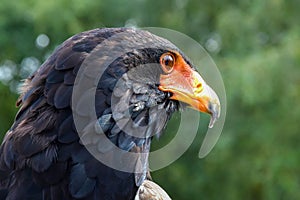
(188, 86)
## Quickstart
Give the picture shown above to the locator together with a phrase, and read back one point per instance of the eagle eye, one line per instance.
(167, 62)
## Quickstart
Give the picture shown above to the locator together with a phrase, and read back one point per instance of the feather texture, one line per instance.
(42, 155)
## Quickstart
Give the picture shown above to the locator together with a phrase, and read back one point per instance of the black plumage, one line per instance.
(42, 156)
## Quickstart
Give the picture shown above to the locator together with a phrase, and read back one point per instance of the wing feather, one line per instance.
(41, 156)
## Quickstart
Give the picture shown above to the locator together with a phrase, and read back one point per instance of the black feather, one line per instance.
(83, 107)
(40, 102)
(100, 102)
(55, 76)
(84, 46)
(69, 78)
(50, 91)
(104, 145)
(27, 145)
(62, 98)
(105, 122)
(42, 155)
(125, 141)
(66, 131)
(80, 155)
(53, 175)
(68, 60)
(8, 154)
(80, 185)
(65, 151)
(42, 161)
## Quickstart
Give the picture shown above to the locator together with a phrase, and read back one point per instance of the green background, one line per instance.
(255, 44)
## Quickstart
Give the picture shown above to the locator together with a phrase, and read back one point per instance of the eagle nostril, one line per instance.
(198, 88)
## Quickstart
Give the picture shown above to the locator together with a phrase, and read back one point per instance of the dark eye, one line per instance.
(167, 62)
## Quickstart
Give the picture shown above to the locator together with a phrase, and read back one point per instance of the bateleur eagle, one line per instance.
(44, 155)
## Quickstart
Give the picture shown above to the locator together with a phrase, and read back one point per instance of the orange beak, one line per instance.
(188, 86)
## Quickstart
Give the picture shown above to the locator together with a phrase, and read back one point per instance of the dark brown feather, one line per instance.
(42, 156)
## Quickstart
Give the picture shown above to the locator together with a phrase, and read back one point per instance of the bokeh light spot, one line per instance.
(7, 71)
(42, 41)
(28, 66)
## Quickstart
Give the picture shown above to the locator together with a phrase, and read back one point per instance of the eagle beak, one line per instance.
(188, 86)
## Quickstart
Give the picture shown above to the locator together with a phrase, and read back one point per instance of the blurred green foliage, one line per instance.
(257, 52)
